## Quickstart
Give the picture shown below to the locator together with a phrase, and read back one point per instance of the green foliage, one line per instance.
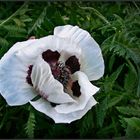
(109, 81)
(87, 125)
(129, 111)
(116, 27)
(30, 126)
(38, 21)
(101, 112)
(133, 127)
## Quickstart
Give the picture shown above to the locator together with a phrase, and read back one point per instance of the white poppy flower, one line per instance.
(59, 68)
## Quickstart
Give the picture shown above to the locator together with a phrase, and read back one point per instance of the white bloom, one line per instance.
(59, 68)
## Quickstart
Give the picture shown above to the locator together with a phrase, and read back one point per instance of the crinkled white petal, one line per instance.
(45, 107)
(44, 82)
(92, 61)
(13, 85)
(13, 73)
(87, 91)
(51, 42)
(11, 52)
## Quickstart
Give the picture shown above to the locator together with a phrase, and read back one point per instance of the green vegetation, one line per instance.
(116, 27)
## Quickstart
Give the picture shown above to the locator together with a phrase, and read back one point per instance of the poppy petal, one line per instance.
(92, 61)
(87, 90)
(46, 108)
(13, 85)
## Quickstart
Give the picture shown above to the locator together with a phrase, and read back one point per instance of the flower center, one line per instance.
(61, 72)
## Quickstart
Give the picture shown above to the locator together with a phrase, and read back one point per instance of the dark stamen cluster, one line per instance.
(61, 73)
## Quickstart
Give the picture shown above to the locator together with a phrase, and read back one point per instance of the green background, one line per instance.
(116, 28)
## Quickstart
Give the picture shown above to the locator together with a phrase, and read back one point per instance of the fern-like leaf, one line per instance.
(109, 81)
(30, 126)
(101, 112)
(85, 126)
(13, 29)
(112, 102)
(133, 127)
(130, 82)
(39, 21)
(131, 111)
(134, 122)
(3, 42)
